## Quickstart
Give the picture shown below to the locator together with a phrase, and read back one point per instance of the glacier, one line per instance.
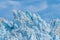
(29, 26)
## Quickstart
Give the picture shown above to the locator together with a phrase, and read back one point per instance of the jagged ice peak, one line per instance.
(28, 26)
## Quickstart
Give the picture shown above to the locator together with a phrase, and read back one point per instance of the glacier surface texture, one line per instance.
(29, 26)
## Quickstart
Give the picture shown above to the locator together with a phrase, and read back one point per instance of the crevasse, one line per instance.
(28, 26)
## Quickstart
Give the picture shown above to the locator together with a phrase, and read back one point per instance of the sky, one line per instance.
(47, 9)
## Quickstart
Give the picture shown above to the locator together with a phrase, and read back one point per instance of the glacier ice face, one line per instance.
(28, 26)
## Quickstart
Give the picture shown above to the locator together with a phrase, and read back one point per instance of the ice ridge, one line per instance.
(28, 26)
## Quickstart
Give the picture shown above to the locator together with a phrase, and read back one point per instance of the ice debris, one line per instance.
(28, 26)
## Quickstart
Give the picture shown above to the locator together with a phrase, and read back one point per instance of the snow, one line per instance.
(28, 26)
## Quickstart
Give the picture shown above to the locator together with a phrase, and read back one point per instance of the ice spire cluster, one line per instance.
(28, 26)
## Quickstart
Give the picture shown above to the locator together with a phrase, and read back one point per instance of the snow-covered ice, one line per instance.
(29, 26)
